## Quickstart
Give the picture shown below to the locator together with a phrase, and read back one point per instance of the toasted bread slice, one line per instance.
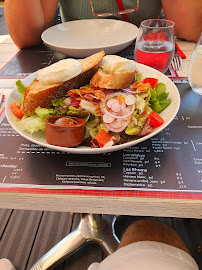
(37, 94)
(115, 80)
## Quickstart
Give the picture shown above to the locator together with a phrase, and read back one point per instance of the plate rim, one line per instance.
(89, 150)
(94, 47)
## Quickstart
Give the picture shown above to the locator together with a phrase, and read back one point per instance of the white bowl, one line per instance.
(83, 38)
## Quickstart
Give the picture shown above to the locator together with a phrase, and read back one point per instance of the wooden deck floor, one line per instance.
(25, 236)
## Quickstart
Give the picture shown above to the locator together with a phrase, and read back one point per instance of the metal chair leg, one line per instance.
(92, 228)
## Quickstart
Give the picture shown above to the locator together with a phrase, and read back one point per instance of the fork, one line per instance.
(177, 61)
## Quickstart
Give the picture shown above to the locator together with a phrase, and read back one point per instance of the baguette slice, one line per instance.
(37, 94)
(115, 80)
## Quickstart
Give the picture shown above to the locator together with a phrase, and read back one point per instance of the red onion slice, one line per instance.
(117, 123)
(108, 118)
(117, 130)
(128, 90)
(88, 95)
(75, 104)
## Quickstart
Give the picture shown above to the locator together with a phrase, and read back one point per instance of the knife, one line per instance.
(177, 49)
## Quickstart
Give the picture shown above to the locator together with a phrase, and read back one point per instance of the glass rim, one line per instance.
(172, 24)
(121, 12)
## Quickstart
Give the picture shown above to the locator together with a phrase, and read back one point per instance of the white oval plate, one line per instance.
(83, 38)
(39, 138)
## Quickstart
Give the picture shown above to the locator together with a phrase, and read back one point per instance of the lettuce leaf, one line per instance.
(145, 95)
(21, 87)
(132, 129)
(139, 104)
(78, 112)
(135, 128)
(31, 124)
(138, 76)
(88, 106)
(44, 112)
(92, 127)
(159, 98)
(58, 102)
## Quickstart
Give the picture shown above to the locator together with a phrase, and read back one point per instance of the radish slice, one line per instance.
(67, 101)
(117, 116)
(113, 138)
(116, 107)
(111, 101)
(108, 144)
(108, 118)
(130, 100)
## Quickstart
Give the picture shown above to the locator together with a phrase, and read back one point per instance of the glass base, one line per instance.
(197, 90)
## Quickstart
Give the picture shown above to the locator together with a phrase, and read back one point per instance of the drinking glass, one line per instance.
(155, 44)
(195, 68)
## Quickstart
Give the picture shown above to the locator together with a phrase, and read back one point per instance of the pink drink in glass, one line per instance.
(157, 54)
(155, 44)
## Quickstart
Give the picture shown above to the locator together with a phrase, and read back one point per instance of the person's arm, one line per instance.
(187, 15)
(27, 19)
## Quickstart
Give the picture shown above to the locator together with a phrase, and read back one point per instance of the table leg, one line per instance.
(92, 228)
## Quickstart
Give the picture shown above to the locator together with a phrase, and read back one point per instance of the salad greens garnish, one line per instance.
(21, 87)
(159, 98)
